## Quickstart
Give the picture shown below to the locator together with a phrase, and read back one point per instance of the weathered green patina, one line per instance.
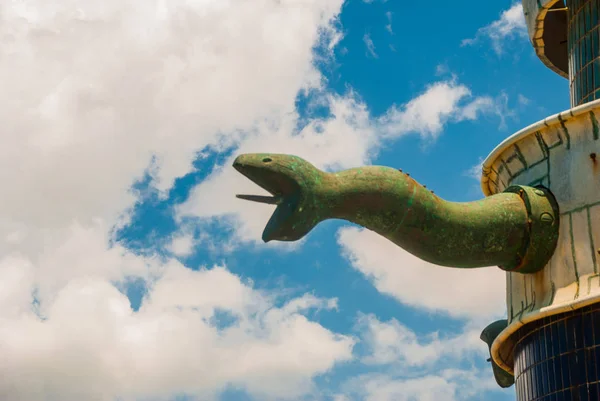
(516, 230)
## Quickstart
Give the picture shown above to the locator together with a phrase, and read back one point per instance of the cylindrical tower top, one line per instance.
(583, 45)
(565, 35)
(547, 25)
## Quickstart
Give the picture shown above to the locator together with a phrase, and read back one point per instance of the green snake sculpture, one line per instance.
(516, 230)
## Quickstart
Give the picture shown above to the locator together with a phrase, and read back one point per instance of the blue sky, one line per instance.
(128, 269)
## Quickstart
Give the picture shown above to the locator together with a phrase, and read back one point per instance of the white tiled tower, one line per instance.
(550, 344)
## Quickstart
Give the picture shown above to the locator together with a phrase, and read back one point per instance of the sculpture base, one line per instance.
(558, 357)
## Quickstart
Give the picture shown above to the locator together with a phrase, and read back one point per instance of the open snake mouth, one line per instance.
(276, 183)
(285, 194)
(260, 178)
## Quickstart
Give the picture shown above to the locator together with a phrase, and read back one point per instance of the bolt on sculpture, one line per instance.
(540, 221)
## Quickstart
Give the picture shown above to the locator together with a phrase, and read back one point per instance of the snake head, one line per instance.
(291, 181)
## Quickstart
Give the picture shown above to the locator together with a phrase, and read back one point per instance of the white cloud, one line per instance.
(91, 96)
(393, 343)
(447, 385)
(92, 346)
(441, 69)
(523, 100)
(472, 293)
(83, 341)
(421, 367)
(471, 110)
(476, 170)
(182, 245)
(93, 92)
(426, 114)
(388, 26)
(370, 45)
(511, 24)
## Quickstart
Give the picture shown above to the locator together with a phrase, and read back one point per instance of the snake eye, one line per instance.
(267, 160)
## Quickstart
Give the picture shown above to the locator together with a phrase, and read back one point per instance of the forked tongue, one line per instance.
(270, 200)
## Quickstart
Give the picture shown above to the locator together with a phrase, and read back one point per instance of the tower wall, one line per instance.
(552, 341)
(561, 153)
(584, 50)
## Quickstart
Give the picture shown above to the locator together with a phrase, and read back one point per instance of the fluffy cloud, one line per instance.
(388, 26)
(427, 114)
(475, 170)
(419, 367)
(449, 385)
(182, 244)
(96, 94)
(511, 24)
(67, 332)
(474, 293)
(90, 345)
(393, 343)
(370, 45)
